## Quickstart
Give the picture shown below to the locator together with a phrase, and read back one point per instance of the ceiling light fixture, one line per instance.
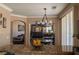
(44, 20)
(54, 7)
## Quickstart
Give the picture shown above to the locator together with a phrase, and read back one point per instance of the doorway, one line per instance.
(18, 32)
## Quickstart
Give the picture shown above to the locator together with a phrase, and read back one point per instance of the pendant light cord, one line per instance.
(45, 16)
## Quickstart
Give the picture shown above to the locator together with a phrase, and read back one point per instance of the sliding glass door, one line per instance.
(67, 32)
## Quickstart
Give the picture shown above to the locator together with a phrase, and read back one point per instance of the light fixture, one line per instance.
(45, 19)
(54, 7)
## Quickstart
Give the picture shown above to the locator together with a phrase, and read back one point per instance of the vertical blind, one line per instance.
(67, 32)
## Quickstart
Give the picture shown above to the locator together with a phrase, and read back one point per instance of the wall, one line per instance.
(5, 32)
(76, 25)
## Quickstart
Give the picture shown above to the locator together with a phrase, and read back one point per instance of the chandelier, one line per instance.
(44, 19)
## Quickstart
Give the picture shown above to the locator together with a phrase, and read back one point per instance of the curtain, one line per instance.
(67, 32)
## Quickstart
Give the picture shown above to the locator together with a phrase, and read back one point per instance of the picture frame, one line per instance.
(1, 20)
(4, 22)
(0, 15)
(20, 27)
(0, 23)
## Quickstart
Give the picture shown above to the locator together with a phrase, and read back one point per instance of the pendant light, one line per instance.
(45, 19)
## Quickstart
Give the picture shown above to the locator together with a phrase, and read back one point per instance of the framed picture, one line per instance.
(20, 27)
(1, 20)
(0, 23)
(0, 15)
(4, 22)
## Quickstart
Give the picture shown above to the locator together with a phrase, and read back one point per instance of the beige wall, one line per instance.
(5, 32)
(76, 25)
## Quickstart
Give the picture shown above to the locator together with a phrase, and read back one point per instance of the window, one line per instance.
(67, 32)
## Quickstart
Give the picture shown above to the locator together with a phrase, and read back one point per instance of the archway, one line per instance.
(18, 32)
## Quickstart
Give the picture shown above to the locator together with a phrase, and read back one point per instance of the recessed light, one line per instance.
(54, 7)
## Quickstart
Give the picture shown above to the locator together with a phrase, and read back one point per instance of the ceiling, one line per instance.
(36, 9)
